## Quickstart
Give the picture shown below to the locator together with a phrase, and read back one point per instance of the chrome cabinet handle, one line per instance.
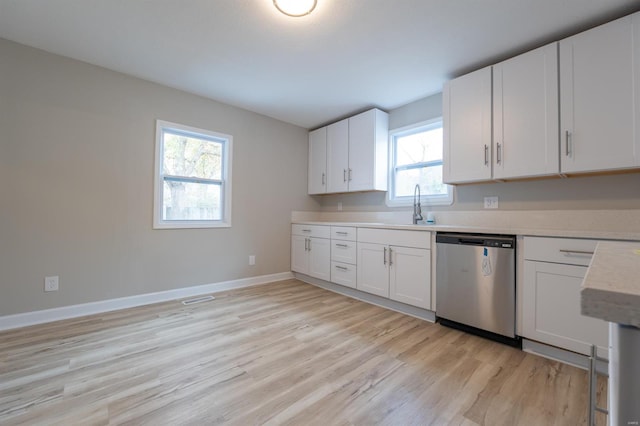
(567, 147)
(486, 155)
(384, 261)
(499, 154)
(575, 252)
(342, 245)
(342, 268)
(390, 256)
(342, 233)
(305, 244)
(309, 243)
(323, 179)
(306, 230)
(344, 175)
(350, 175)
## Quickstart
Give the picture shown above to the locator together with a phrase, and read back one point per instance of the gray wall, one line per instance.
(592, 192)
(76, 173)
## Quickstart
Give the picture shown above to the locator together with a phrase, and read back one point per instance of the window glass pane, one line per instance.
(191, 156)
(191, 201)
(429, 178)
(419, 147)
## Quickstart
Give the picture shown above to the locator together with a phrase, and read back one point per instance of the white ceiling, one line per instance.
(345, 57)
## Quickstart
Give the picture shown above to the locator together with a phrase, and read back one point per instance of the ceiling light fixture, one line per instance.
(295, 8)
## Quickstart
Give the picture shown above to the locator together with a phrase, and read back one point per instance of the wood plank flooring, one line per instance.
(283, 353)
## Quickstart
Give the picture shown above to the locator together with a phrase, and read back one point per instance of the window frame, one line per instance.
(428, 200)
(224, 181)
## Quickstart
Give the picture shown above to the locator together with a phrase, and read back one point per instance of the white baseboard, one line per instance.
(8, 322)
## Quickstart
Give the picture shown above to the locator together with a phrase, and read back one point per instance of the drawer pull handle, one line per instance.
(342, 233)
(342, 268)
(583, 252)
(306, 230)
(342, 245)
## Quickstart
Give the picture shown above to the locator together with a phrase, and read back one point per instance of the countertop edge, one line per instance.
(610, 306)
(567, 233)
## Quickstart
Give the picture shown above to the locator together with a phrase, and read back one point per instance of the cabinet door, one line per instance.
(299, 257)
(525, 115)
(599, 98)
(373, 269)
(317, 178)
(368, 148)
(467, 128)
(410, 276)
(320, 258)
(551, 309)
(338, 156)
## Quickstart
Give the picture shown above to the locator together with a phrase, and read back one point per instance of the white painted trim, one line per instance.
(8, 322)
(427, 201)
(158, 222)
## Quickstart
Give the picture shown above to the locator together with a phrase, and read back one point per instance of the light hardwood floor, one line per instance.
(282, 353)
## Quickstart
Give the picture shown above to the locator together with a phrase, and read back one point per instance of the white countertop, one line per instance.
(568, 233)
(611, 288)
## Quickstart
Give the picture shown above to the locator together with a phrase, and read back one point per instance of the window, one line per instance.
(193, 177)
(416, 158)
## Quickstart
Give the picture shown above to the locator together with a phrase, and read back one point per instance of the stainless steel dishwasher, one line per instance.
(476, 284)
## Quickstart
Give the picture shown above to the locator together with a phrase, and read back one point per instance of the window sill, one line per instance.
(191, 225)
(424, 201)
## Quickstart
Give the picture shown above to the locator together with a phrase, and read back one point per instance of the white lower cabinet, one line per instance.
(343, 256)
(551, 295)
(398, 272)
(343, 274)
(311, 255)
(373, 269)
(410, 276)
(299, 254)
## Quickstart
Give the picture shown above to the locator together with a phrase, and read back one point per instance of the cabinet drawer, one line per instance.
(392, 237)
(343, 251)
(317, 231)
(343, 274)
(568, 251)
(347, 233)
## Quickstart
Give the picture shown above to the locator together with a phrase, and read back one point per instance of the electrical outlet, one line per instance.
(491, 202)
(51, 283)
(252, 260)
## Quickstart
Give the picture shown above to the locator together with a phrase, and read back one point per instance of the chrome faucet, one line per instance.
(417, 210)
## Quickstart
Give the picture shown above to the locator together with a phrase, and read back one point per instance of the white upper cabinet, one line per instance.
(525, 115)
(368, 150)
(600, 98)
(317, 178)
(356, 154)
(338, 156)
(466, 117)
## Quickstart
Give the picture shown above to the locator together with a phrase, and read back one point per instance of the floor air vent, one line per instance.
(197, 300)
